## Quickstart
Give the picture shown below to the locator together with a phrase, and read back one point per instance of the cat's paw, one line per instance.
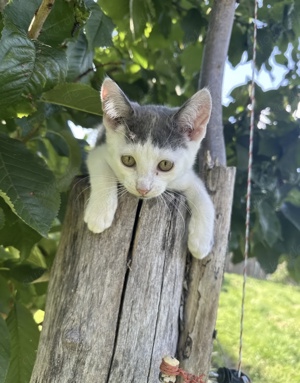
(100, 217)
(200, 242)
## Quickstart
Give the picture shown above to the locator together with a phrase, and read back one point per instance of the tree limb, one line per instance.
(211, 76)
(39, 19)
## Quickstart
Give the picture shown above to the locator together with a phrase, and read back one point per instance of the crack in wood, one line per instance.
(114, 363)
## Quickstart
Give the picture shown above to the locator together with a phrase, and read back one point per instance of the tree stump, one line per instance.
(115, 305)
(113, 299)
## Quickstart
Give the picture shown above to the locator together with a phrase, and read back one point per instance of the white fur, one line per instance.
(106, 169)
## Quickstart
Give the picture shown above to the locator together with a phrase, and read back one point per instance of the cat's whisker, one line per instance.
(180, 199)
(172, 201)
(189, 204)
(82, 192)
(161, 198)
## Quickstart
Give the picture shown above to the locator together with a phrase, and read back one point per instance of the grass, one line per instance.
(271, 340)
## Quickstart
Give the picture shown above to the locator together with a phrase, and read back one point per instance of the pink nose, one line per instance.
(143, 192)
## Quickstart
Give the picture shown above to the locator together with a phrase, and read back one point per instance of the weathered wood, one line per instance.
(113, 299)
(203, 280)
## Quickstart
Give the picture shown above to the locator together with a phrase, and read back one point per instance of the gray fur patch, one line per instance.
(156, 122)
(101, 138)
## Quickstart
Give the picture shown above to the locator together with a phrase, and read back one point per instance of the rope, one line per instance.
(248, 197)
(174, 370)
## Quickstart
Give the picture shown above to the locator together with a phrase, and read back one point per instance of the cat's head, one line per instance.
(150, 146)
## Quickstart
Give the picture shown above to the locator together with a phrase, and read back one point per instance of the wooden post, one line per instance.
(203, 280)
(113, 299)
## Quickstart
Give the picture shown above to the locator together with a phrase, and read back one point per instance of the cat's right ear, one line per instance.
(115, 104)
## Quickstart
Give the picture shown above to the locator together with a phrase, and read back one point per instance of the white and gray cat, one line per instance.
(149, 150)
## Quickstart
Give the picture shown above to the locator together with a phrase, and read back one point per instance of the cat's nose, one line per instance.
(142, 192)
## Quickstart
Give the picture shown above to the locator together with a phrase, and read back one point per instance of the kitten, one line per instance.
(150, 149)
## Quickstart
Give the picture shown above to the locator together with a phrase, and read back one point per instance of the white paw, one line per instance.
(99, 215)
(200, 241)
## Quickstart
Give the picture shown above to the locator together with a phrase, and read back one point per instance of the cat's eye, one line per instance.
(165, 165)
(128, 161)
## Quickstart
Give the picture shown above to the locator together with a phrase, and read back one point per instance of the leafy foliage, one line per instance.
(24, 337)
(153, 49)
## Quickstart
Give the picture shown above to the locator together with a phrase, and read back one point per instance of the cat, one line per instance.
(148, 150)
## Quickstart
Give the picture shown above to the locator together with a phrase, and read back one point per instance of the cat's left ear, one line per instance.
(115, 103)
(194, 115)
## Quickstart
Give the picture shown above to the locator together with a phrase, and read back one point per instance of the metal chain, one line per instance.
(248, 197)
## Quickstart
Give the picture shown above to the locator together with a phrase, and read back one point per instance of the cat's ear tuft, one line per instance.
(194, 115)
(115, 104)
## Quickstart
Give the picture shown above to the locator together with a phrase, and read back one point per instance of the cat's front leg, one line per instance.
(201, 226)
(103, 201)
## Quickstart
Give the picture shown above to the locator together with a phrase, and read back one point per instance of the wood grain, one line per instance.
(203, 280)
(113, 299)
(120, 301)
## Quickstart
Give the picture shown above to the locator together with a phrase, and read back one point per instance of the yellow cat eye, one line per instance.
(128, 161)
(165, 165)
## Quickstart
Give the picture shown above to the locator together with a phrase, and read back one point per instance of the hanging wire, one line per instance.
(248, 197)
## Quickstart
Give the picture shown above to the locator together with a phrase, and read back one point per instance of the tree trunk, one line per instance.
(211, 76)
(113, 299)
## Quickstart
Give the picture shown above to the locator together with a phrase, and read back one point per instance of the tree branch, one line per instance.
(39, 19)
(211, 76)
(2, 4)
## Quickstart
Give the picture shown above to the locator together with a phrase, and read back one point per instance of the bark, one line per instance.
(204, 279)
(39, 19)
(211, 76)
(113, 299)
(3, 4)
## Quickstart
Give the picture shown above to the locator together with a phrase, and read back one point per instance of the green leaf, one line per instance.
(2, 218)
(118, 10)
(80, 60)
(192, 23)
(26, 273)
(267, 257)
(27, 68)
(74, 158)
(292, 213)
(269, 223)
(64, 18)
(99, 28)
(4, 349)
(24, 335)
(140, 56)
(76, 96)
(59, 23)
(19, 235)
(27, 186)
(6, 297)
(293, 197)
(140, 13)
(191, 58)
(238, 44)
(21, 13)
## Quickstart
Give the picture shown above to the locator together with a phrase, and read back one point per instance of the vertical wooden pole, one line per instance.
(113, 299)
(203, 281)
